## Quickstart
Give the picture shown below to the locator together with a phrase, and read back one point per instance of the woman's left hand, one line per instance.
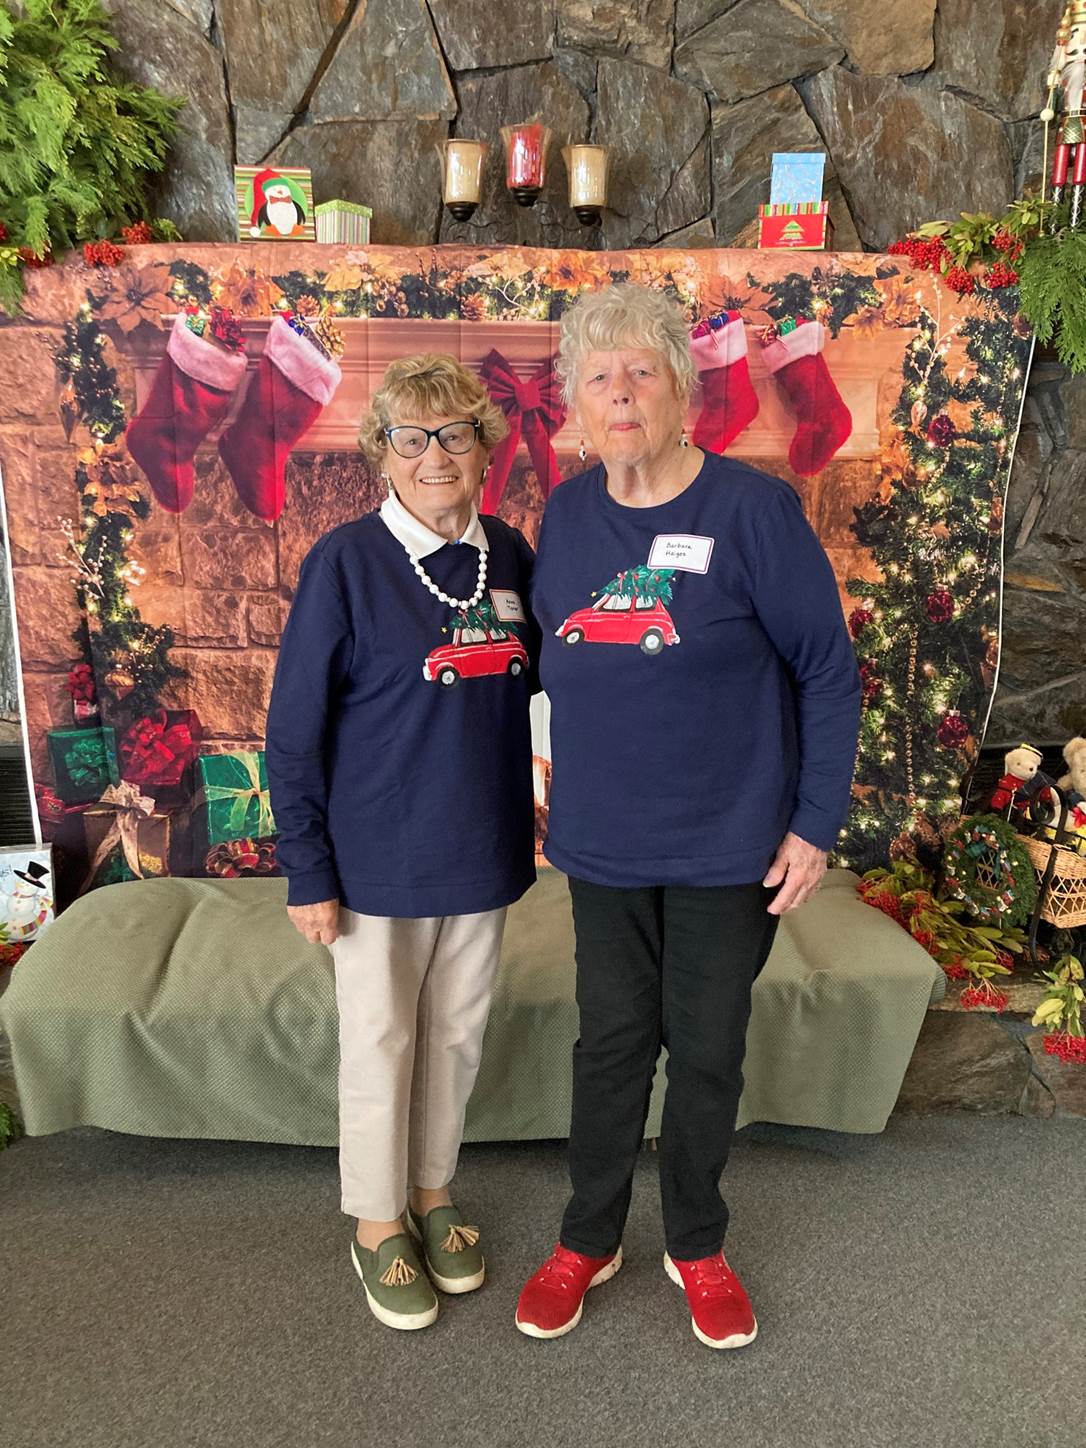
(801, 867)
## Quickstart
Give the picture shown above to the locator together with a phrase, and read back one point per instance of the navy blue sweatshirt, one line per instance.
(398, 746)
(704, 690)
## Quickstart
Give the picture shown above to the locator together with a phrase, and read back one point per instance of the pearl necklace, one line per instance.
(460, 604)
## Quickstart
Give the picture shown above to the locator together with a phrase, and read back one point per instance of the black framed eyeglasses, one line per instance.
(455, 437)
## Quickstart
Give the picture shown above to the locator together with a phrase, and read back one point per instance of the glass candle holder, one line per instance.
(526, 160)
(587, 166)
(462, 163)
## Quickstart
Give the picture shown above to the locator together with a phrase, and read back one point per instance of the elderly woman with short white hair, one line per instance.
(704, 714)
(399, 760)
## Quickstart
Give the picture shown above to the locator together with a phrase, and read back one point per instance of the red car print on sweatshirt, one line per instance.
(619, 618)
(473, 653)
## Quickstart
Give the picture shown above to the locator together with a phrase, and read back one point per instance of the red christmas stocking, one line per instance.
(825, 423)
(729, 403)
(190, 396)
(285, 396)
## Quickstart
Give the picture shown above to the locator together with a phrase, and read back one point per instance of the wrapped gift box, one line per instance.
(159, 751)
(84, 762)
(343, 221)
(232, 799)
(27, 894)
(800, 226)
(126, 838)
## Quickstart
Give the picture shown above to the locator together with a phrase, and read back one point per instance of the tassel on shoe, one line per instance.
(400, 1274)
(459, 1237)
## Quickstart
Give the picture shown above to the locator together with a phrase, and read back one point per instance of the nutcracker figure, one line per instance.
(1066, 82)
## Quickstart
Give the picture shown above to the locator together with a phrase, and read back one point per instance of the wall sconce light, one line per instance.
(587, 166)
(526, 160)
(462, 163)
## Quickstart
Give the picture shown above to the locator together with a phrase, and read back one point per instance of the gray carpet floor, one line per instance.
(917, 1289)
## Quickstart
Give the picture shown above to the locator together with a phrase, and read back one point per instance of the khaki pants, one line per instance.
(413, 998)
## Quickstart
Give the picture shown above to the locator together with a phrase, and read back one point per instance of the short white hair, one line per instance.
(624, 315)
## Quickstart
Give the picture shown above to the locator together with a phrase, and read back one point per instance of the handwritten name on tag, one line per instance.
(681, 550)
(507, 605)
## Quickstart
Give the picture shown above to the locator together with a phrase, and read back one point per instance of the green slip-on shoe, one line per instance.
(454, 1258)
(397, 1289)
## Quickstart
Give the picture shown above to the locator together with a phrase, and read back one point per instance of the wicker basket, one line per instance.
(1064, 903)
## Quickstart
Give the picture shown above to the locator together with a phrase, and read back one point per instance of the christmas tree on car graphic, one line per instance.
(631, 609)
(482, 643)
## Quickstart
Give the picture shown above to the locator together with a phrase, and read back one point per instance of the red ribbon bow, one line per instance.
(155, 752)
(533, 409)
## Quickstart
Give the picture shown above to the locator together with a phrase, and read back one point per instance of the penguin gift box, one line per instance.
(274, 203)
(26, 892)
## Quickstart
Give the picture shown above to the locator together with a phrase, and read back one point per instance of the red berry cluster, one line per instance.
(138, 234)
(1009, 245)
(925, 255)
(33, 260)
(873, 894)
(1002, 275)
(961, 281)
(103, 253)
(956, 970)
(858, 620)
(1066, 1046)
(3, 232)
(984, 995)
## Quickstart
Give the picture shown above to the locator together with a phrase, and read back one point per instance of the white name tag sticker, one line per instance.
(681, 550)
(507, 605)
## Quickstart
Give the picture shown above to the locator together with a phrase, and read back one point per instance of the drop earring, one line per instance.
(581, 451)
(684, 441)
(387, 482)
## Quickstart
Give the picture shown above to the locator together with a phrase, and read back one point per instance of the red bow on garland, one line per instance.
(533, 409)
(155, 752)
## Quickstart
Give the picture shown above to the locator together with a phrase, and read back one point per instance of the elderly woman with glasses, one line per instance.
(704, 711)
(399, 761)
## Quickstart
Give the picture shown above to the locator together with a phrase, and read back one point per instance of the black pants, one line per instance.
(672, 966)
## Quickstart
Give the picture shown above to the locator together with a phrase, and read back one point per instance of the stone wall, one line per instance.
(924, 109)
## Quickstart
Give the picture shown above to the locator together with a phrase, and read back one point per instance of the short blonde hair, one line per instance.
(430, 384)
(625, 315)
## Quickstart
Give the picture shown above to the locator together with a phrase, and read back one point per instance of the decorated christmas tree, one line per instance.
(645, 584)
(482, 615)
(926, 631)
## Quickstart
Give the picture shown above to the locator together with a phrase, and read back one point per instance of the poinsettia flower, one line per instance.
(899, 305)
(247, 291)
(344, 277)
(137, 294)
(867, 321)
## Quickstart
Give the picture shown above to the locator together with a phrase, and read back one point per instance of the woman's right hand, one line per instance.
(319, 923)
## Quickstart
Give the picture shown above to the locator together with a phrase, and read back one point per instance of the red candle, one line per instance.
(525, 155)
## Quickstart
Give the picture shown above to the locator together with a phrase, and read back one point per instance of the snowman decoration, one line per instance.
(28, 904)
(275, 211)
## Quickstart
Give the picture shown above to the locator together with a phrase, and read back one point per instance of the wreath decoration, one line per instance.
(987, 867)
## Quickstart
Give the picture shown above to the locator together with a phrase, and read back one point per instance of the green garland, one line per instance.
(987, 842)
(130, 658)
(78, 145)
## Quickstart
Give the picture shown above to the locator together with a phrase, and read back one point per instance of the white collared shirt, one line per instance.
(421, 541)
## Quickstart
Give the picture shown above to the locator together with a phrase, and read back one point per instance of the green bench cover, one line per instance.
(192, 1008)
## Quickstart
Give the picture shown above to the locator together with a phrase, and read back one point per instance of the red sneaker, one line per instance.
(720, 1310)
(552, 1299)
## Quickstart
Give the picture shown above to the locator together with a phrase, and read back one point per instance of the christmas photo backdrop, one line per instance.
(179, 426)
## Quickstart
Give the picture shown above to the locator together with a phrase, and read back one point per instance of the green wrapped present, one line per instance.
(232, 800)
(84, 762)
(343, 221)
